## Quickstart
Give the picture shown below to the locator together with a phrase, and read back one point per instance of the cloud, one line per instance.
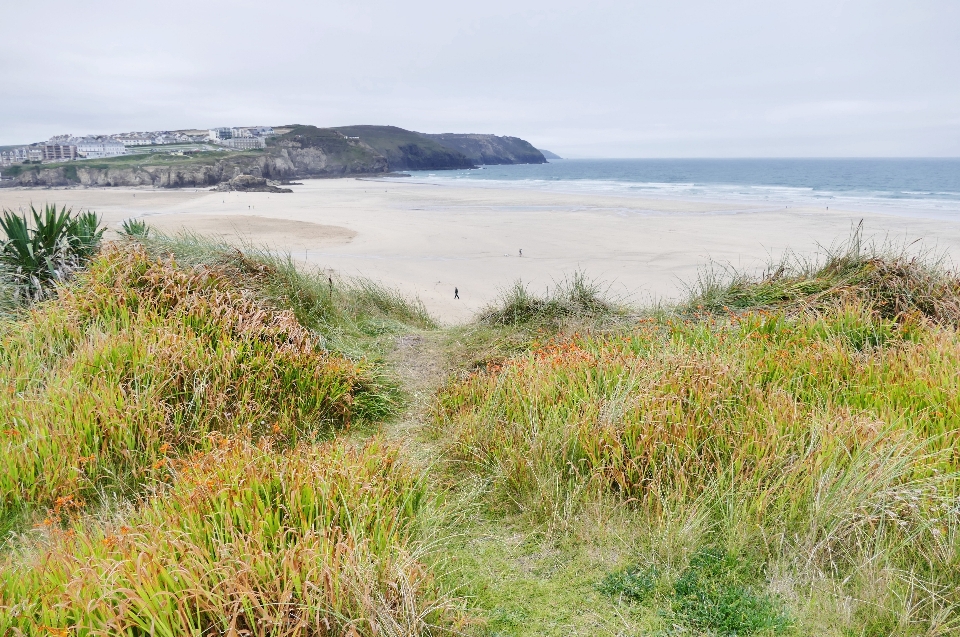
(593, 79)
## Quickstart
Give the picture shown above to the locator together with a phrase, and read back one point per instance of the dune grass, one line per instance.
(575, 298)
(812, 440)
(893, 280)
(778, 455)
(141, 360)
(244, 540)
(350, 313)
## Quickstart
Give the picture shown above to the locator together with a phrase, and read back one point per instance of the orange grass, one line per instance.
(314, 541)
(829, 441)
(138, 361)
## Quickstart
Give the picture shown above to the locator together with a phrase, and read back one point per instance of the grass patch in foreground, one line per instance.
(138, 361)
(821, 442)
(316, 540)
(574, 299)
(891, 281)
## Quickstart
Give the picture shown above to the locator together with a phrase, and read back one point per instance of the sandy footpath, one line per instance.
(428, 239)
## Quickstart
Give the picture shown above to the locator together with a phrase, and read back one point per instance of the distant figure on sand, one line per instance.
(456, 293)
(521, 252)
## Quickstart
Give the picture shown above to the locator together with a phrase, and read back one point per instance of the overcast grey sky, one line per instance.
(584, 79)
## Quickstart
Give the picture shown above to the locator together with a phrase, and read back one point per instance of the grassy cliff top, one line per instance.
(133, 161)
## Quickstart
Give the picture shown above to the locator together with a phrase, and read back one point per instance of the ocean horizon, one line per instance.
(921, 187)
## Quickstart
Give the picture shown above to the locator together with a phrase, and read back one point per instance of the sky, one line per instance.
(583, 79)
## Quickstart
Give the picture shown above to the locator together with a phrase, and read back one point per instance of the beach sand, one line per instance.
(426, 239)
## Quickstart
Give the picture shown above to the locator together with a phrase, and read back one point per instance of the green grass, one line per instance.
(312, 541)
(140, 361)
(816, 437)
(355, 316)
(889, 278)
(776, 456)
(405, 150)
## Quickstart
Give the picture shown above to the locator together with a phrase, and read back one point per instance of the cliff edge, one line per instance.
(491, 149)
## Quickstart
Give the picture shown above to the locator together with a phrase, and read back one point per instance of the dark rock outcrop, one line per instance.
(249, 183)
(491, 149)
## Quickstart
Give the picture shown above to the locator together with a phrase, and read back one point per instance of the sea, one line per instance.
(928, 188)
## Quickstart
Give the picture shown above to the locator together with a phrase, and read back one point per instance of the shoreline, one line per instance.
(426, 239)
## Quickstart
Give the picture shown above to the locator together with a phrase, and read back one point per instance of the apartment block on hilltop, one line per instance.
(93, 148)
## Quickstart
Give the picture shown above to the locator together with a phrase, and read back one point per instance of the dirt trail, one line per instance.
(421, 365)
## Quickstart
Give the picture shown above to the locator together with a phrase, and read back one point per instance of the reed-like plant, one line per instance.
(827, 436)
(246, 540)
(138, 361)
(574, 298)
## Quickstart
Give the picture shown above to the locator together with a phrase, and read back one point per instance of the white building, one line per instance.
(219, 134)
(252, 131)
(134, 140)
(244, 143)
(92, 148)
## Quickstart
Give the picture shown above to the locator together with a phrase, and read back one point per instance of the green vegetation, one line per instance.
(245, 539)
(407, 150)
(206, 440)
(135, 229)
(46, 247)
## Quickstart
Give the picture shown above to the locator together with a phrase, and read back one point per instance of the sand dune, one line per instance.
(428, 239)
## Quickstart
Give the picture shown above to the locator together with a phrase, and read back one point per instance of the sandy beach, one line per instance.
(427, 239)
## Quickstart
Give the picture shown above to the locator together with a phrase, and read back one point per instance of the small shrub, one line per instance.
(48, 247)
(634, 584)
(717, 593)
(135, 228)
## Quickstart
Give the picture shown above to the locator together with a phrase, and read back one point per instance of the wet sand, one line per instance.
(427, 239)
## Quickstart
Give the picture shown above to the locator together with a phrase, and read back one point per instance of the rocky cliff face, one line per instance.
(282, 162)
(491, 149)
(302, 152)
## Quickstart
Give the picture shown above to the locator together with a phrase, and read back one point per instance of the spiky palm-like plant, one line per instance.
(46, 246)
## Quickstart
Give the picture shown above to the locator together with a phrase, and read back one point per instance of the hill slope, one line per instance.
(491, 149)
(407, 150)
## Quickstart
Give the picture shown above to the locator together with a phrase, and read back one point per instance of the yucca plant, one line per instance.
(46, 246)
(135, 228)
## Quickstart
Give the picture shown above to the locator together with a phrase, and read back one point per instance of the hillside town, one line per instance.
(61, 148)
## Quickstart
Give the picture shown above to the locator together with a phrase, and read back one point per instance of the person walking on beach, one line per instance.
(521, 252)
(456, 293)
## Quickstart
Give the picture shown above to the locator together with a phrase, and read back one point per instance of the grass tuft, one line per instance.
(575, 298)
(717, 595)
(634, 584)
(892, 282)
(349, 313)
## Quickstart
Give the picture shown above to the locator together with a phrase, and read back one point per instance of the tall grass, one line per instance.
(822, 436)
(140, 360)
(348, 312)
(314, 541)
(889, 278)
(574, 298)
